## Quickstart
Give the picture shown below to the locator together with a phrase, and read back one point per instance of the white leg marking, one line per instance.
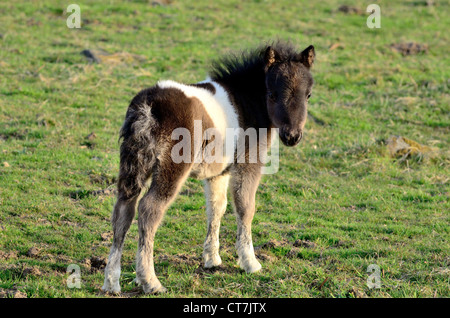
(216, 203)
(145, 272)
(112, 270)
(244, 246)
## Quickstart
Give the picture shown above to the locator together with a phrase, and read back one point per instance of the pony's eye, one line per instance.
(309, 96)
(270, 95)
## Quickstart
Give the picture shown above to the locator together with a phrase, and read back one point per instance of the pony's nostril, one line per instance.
(295, 139)
(287, 135)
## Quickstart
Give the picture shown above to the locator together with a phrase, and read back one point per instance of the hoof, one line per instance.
(250, 266)
(214, 261)
(154, 287)
(154, 290)
(107, 288)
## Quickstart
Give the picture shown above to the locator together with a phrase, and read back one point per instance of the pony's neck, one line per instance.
(247, 92)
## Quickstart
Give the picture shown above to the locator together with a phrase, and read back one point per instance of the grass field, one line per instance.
(339, 203)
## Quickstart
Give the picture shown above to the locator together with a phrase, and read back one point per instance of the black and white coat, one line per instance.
(261, 90)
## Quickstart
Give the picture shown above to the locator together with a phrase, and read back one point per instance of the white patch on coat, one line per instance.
(217, 105)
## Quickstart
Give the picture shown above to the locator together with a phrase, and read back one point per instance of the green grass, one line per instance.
(338, 203)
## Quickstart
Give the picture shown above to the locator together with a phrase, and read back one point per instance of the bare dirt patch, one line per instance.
(410, 48)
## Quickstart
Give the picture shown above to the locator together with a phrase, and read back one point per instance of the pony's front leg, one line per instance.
(216, 204)
(244, 184)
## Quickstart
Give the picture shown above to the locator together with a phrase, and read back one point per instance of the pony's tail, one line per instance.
(137, 151)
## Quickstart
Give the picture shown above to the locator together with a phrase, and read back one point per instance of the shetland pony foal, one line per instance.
(266, 88)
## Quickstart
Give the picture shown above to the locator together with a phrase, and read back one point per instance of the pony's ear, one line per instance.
(271, 56)
(307, 56)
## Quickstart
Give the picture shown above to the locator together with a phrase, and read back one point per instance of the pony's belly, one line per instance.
(206, 170)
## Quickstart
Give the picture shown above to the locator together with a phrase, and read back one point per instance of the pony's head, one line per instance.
(288, 84)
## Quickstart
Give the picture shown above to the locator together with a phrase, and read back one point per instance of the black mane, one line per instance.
(243, 76)
(240, 64)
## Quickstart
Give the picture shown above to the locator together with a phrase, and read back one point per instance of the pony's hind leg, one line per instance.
(130, 184)
(165, 184)
(137, 160)
(122, 216)
(216, 204)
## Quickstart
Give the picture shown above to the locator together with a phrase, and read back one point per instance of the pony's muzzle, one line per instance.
(291, 137)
